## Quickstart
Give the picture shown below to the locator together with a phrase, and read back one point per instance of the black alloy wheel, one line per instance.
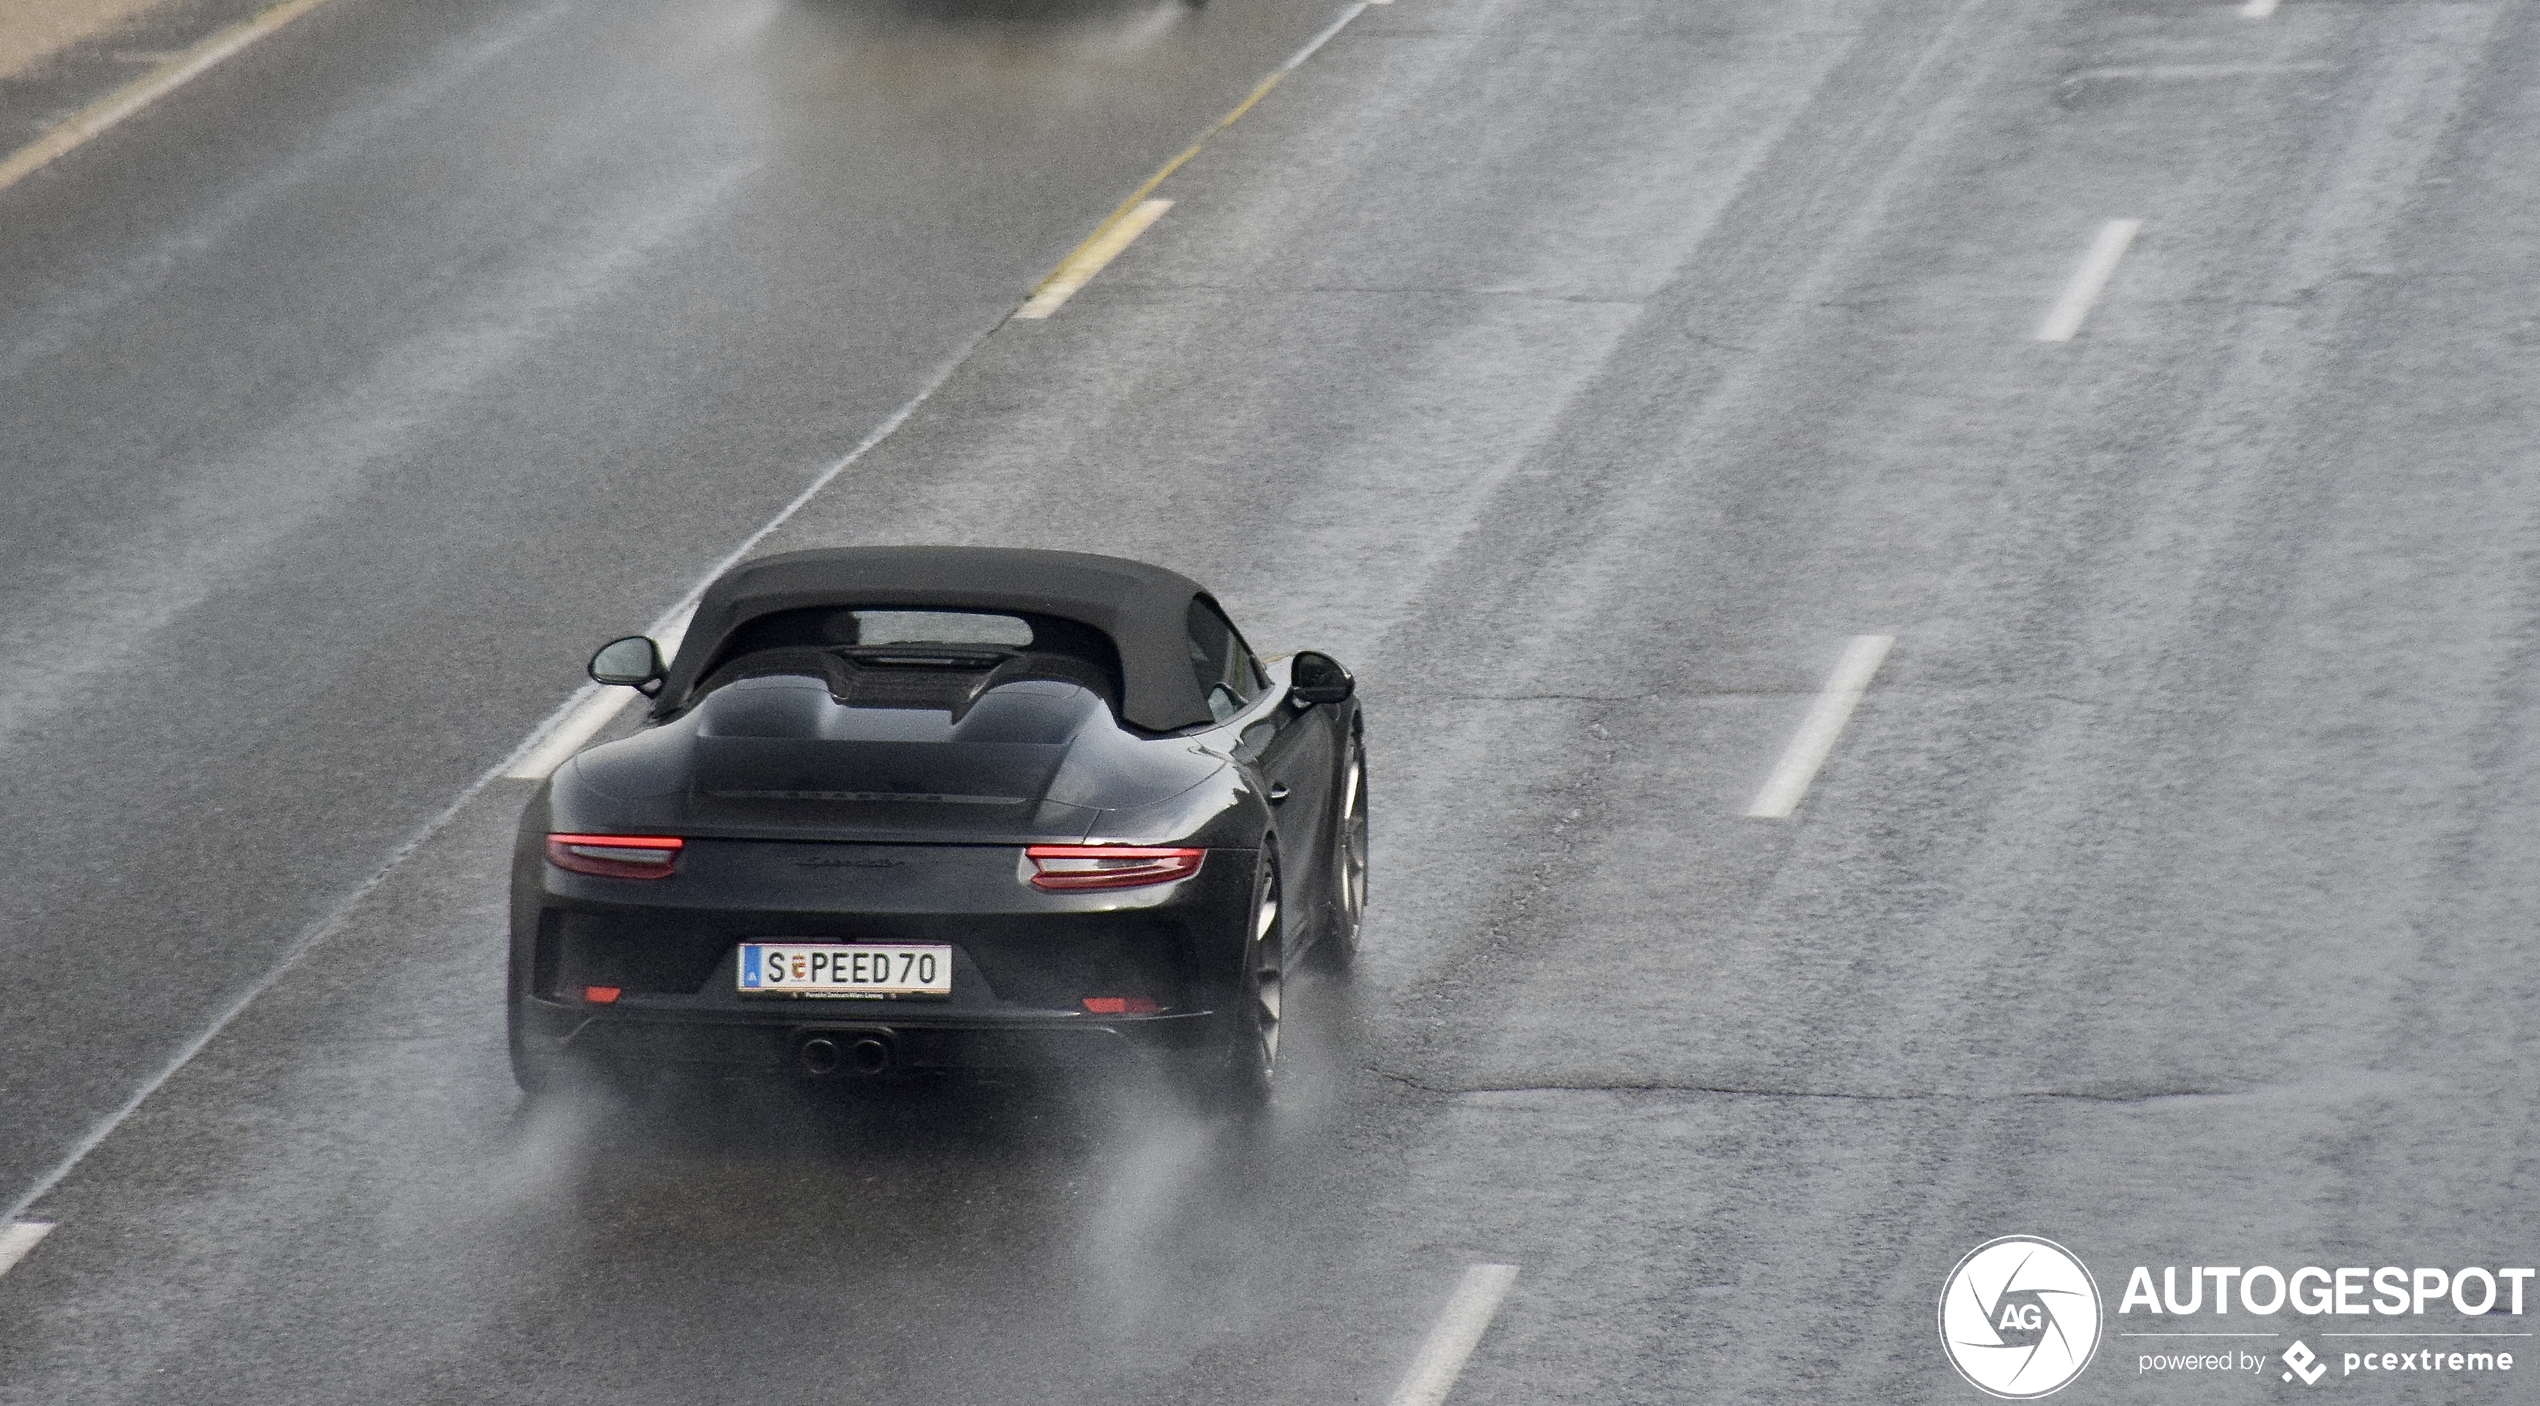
(1252, 1057)
(1346, 907)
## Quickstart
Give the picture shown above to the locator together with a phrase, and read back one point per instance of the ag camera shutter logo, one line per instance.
(2019, 1317)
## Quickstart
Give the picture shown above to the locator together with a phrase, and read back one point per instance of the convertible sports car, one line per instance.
(936, 808)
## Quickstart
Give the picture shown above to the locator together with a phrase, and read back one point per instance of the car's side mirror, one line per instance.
(1319, 678)
(633, 662)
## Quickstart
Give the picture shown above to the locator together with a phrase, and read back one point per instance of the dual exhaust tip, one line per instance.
(849, 1054)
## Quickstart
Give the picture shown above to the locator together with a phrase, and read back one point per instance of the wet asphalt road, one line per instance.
(1585, 376)
(355, 388)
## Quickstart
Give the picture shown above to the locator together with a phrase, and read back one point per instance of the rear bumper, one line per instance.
(1025, 962)
(771, 1041)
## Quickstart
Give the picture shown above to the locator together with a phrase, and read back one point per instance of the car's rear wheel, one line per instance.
(537, 1068)
(1244, 1082)
(1346, 905)
(540, 1065)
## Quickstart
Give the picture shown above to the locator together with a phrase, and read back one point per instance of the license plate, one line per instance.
(846, 969)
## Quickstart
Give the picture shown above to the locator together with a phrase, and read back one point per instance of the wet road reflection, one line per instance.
(501, 317)
(1056, 1238)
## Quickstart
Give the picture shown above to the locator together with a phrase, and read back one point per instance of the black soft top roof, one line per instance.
(1145, 610)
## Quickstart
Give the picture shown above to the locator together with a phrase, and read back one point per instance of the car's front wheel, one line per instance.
(1346, 905)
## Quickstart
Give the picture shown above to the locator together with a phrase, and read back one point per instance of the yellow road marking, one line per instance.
(1134, 210)
(1129, 208)
(32, 31)
(1080, 267)
(175, 73)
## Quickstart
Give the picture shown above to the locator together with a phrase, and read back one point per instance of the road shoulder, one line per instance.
(58, 56)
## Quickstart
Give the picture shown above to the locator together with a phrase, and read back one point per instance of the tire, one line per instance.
(1345, 904)
(539, 1066)
(1248, 1072)
(540, 1073)
(547, 1074)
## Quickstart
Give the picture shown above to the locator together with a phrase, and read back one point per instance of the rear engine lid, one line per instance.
(921, 754)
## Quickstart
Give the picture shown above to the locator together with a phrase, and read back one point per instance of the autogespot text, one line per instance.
(2315, 1292)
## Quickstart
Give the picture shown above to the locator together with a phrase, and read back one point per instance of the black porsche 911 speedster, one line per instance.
(902, 809)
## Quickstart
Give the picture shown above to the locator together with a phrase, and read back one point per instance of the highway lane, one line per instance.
(354, 387)
(1587, 377)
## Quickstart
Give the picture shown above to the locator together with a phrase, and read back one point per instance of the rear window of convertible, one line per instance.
(1032, 712)
(938, 627)
(827, 628)
(910, 675)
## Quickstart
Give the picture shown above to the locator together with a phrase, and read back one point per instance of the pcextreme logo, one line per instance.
(2019, 1317)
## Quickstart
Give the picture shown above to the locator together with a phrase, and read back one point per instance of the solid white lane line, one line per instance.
(1090, 259)
(177, 71)
(2258, 9)
(593, 708)
(2097, 266)
(1819, 731)
(18, 1237)
(1454, 1336)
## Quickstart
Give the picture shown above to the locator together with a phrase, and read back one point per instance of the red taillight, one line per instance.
(1061, 867)
(615, 856)
(1120, 1005)
(601, 995)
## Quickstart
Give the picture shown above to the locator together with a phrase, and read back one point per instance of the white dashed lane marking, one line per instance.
(18, 1237)
(2097, 267)
(1453, 1337)
(1821, 729)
